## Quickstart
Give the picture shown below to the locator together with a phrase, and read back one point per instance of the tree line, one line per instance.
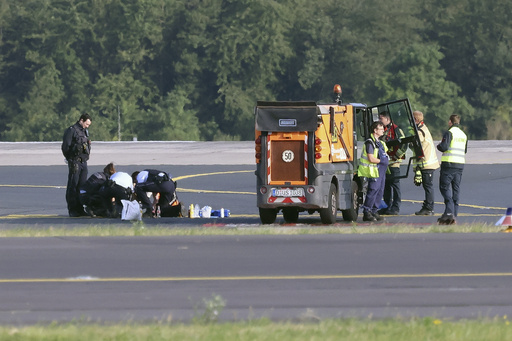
(194, 69)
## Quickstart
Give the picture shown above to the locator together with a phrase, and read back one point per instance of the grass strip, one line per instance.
(139, 229)
(397, 329)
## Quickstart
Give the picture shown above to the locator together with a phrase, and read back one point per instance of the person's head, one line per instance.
(109, 169)
(85, 120)
(134, 176)
(418, 116)
(378, 129)
(385, 118)
(454, 119)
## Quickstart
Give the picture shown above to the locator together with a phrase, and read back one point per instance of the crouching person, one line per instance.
(119, 187)
(90, 196)
(163, 188)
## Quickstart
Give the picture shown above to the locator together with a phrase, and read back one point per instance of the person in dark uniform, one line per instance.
(373, 165)
(392, 194)
(163, 188)
(118, 187)
(76, 148)
(90, 197)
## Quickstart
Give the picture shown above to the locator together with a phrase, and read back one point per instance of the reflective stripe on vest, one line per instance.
(429, 158)
(456, 153)
(366, 168)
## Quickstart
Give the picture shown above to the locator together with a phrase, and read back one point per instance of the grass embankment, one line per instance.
(495, 329)
(139, 229)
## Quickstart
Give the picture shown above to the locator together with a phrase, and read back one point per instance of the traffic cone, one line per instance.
(506, 221)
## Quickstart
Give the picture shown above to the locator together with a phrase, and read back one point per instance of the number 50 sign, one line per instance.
(288, 156)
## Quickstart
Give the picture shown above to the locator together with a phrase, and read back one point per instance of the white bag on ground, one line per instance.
(131, 210)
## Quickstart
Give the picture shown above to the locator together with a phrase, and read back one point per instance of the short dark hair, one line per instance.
(84, 117)
(455, 119)
(134, 176)
(375, 125)
(385, 114)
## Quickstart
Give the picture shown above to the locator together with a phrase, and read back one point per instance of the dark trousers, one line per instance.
(96, 203)
(112, 197)
(77, 177)
(374, 194)
(167, 191)
(392, 196)
(427, 180)
(449, 185)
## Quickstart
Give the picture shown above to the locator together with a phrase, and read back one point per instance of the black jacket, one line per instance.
(76, 143)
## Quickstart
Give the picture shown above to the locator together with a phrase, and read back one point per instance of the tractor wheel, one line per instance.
(353, 211)
(328, 215)
(268, 215)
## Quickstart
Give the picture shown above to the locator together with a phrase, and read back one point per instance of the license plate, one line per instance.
(288, 192)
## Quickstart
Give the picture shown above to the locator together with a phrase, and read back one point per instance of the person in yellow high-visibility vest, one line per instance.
(373, 165)
(454, 146)
(426, 165)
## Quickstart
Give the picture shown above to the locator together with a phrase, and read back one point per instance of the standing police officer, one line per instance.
(76, 148)
(454, 146)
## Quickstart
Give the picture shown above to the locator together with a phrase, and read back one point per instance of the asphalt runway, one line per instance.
(110, 279)
(280, 277)
(35, 195)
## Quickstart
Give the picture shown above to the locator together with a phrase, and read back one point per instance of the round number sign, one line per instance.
(288, 156)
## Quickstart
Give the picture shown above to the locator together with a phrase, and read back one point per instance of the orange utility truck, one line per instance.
(307, 155)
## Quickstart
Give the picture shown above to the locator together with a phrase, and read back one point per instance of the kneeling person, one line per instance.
(90, 197)
(119, 187)
(164, 192)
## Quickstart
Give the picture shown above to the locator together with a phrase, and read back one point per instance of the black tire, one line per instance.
(328, 215)
(352, 213)
(291, 214)
(268, 215)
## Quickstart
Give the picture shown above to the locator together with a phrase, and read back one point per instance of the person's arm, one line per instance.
(444, 145)
(67, 141)
(369, 152)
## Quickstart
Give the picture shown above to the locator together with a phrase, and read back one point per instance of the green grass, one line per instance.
(139, 229)
(498, 328)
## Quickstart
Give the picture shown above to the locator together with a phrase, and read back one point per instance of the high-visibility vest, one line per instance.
(429, 159)
(366, 168)
(456, 153)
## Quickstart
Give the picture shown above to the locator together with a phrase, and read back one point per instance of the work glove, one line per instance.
(417, 177)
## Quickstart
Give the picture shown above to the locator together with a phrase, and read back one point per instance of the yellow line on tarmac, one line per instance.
(176, 178)
(465, 205)
(33, 186)
(206, 174)
(18, 216)
(249, 278)
(208, 191)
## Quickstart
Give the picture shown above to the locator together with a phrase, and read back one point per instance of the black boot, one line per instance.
(368, 216)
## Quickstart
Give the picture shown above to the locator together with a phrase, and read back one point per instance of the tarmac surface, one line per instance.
(192, 153)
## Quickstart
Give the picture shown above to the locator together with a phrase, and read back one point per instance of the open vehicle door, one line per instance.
(401, 114)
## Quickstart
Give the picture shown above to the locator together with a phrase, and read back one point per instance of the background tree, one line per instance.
(194, 69)
(416, 73)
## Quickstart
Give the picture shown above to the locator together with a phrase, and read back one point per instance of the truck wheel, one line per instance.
(268, 215)
(328, 215)
(353, 211)
(290, 215)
